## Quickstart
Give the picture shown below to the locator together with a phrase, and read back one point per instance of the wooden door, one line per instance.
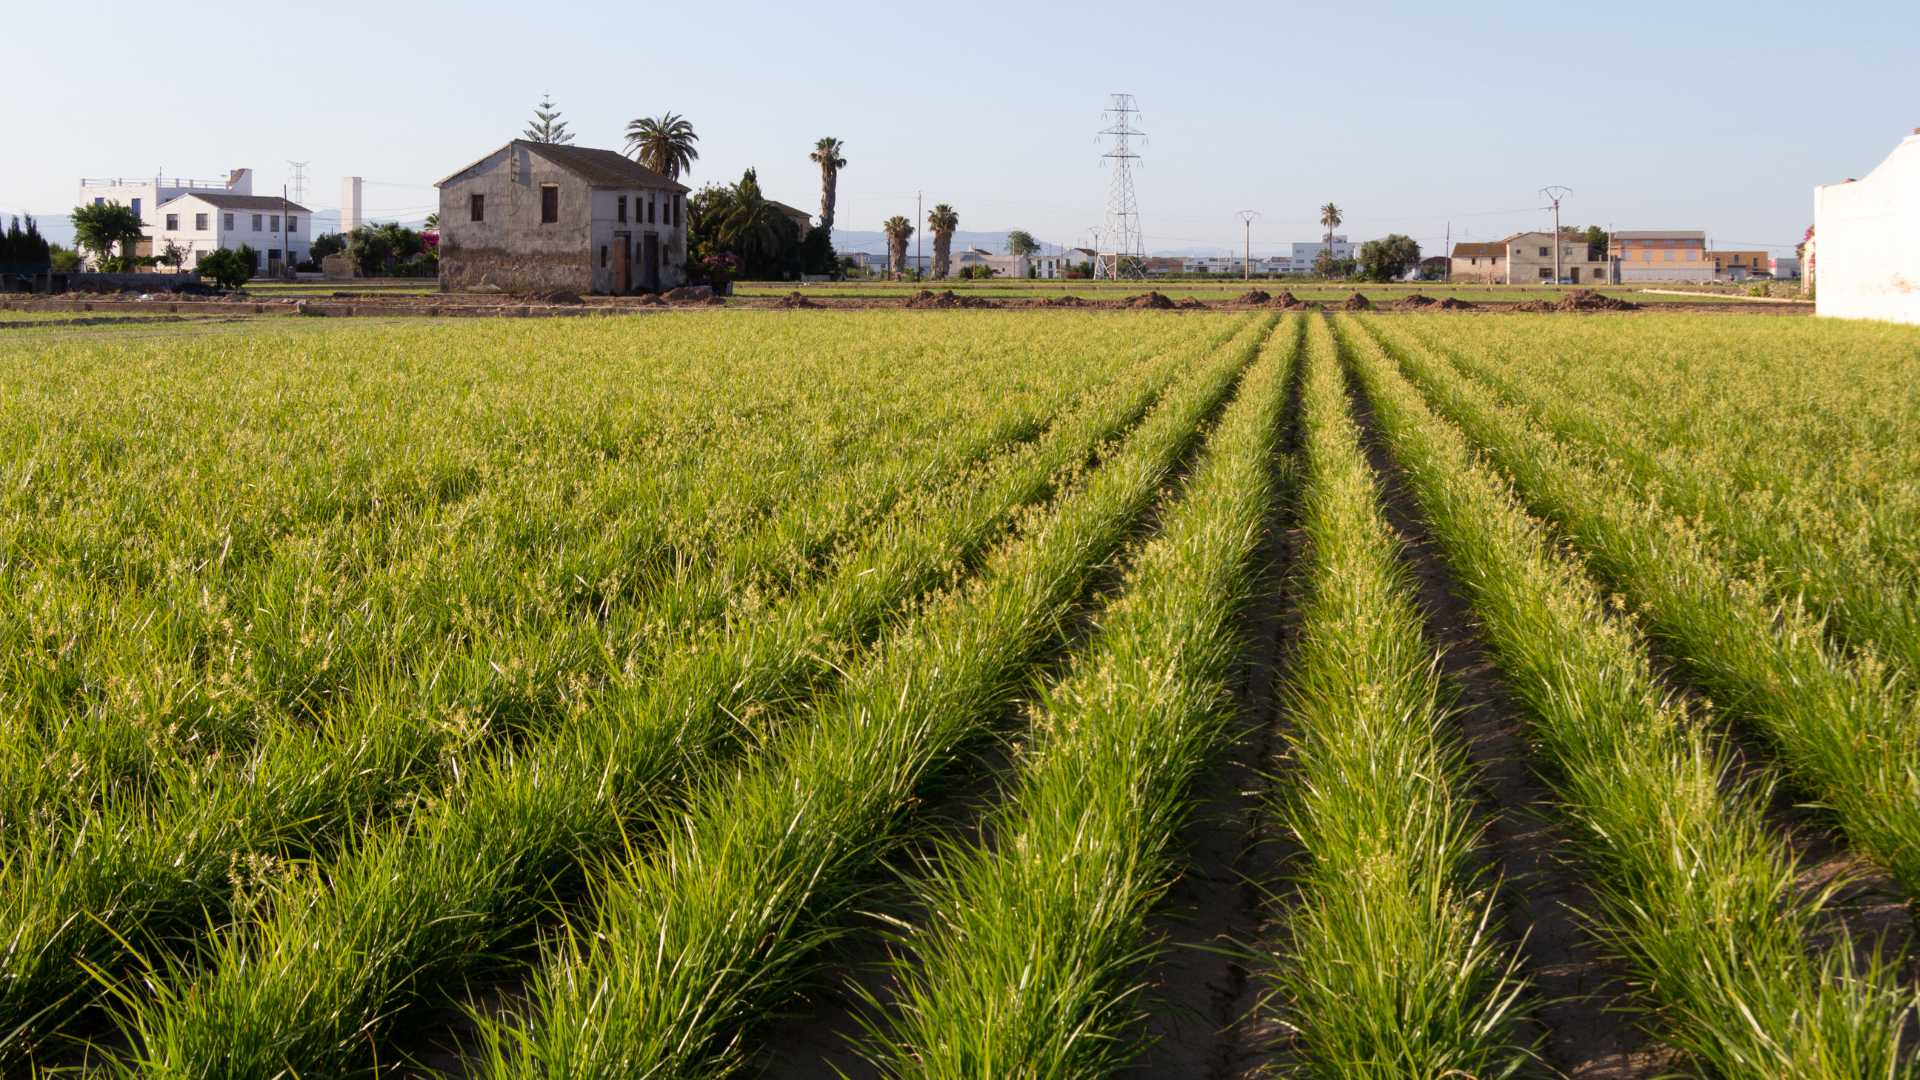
(622, 262)
(650, 262)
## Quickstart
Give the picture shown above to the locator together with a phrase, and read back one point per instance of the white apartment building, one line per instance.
(201, 222)
(144, 195)
(1305, 255)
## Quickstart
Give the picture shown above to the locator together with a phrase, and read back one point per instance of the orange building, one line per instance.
(1661, 255)
(1740, 265)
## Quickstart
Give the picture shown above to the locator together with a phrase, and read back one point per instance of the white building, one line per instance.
(1866, 253)
(1216, 264)
(1305, 255)
(1008, 266)
(200, 222)
(1786, 267)
(143, 195)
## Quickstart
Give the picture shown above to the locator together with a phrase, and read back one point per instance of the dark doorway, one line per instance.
(650, 262)
(622, 262)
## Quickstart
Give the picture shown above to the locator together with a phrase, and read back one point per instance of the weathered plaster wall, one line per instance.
(1868, 232)
(511, 249)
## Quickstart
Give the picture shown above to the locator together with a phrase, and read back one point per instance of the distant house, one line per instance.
(1484, 264)
(1162, 265)
(1654, 255)
(1012, 266)
(1740, 265)
(199, 223)
(143, 195)
(1786, 267)
(1530, 260)
(537, 217)
(1868, 235)
(802, 221)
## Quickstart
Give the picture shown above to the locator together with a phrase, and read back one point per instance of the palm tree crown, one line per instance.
(898, 230)
(1330, 217)
(663, 144)
(942, 220)
(827, 153)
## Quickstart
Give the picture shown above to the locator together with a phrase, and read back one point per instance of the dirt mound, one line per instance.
(1285, 299)
(1356, 302)
(926, 299)
(557, 296)
(1588, 300)
(647, 300)
(1192, 304)
(1063, 301)
(794, 300)
(690, 294)
(1416, 302)
(1254, 296)
(1155, 300)
(1454, 303)
(1532, 306)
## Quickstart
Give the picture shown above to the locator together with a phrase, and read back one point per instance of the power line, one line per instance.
(300, 180)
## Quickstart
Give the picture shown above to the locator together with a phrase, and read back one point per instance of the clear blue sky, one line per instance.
(1409, 115)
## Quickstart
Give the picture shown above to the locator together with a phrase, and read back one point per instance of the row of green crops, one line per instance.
(1692, 886)
(1843, 725)
(589, 697)
(1028, 959)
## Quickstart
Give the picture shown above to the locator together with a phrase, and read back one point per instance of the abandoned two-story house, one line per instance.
(539, 217)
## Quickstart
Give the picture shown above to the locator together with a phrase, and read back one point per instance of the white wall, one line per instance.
(1867, 241)
(198, 242)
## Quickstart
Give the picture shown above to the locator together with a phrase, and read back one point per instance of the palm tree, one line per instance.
(664, 145)
(898, 230)
(547, 127)
(826, 154)
(1330, 217)
(943, 220)
(748, 224)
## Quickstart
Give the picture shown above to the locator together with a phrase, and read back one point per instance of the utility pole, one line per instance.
(1246, 218)
(1123, 207)
(1555, 193)
(1446, 253)
(919, 229)
(286, 268)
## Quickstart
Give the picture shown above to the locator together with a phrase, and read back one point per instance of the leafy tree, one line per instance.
(1330, 219)
(898, 231)
(172, 255)
(24, 247)
(227, 267)
(663, 144)
(1596, 243)
(1021, 242)
(943, 220)
(1325, 265)
(827, 155)
(102, 227)
(547, 127)
(1389, 259)
(737, 222)
(65, 260)
(326, 244)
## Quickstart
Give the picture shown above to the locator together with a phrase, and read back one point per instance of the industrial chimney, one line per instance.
(350, 204)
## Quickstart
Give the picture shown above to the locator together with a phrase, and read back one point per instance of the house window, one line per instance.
(276, 223)
(136, 212)
(676, 211)
(256, 223)
(650, 211)
(1543, 253)
(173, 222)
(1546, 272)
(226, 222)
(620, 209)
(603, 256)
(476, 208)
(1669, 254)
(99, 201)
(199, 223)
(293, 224)
(549, 203)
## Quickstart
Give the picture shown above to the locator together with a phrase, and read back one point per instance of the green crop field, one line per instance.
(958, 694)
(1211, 290)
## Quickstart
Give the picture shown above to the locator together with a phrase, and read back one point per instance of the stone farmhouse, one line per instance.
(539, 217)
(1482, 263)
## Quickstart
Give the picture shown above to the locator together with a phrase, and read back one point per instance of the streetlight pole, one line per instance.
(1554, 193)
(1246, 267)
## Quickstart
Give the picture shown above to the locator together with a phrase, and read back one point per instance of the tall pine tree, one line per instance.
(547, 127)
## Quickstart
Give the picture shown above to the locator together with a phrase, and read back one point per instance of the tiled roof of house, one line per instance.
(1496, 249)
(599, 168)
(1659, 234)
(225, 201)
